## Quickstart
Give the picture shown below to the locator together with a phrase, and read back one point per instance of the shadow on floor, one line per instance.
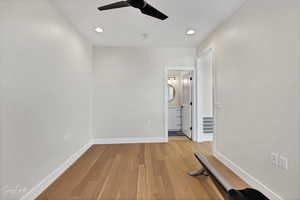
(175, 133)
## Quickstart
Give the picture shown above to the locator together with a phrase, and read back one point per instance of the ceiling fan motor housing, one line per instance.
(142, 5)
(137, 3)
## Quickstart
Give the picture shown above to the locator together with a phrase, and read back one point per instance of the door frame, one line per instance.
(214, 92)
(194, 95)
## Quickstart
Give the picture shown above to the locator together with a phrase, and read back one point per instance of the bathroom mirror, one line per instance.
(171, 93)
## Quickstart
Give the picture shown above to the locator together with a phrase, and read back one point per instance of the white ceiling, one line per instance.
(125, 26)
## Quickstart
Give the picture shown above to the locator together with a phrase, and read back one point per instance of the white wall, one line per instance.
(45, 69)
(129, 89)
(257, 60)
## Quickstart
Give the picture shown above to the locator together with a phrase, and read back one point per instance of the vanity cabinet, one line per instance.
(174, 117)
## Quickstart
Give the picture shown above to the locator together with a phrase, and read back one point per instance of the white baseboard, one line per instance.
(205, 138)
(129, 140)
(253, 182)
(39, 188)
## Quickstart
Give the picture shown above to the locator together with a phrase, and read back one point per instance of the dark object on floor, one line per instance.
(223, 185)
(175, 133)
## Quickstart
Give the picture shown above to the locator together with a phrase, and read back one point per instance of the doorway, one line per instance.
(193, 115)
(180, 103)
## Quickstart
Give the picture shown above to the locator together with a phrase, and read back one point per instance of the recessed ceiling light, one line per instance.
(99, 30)
(190, 32)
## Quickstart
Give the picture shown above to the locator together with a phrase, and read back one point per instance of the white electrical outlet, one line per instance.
(148, 122)
(279, 161)
(274, 159)
(67, 136)
(283, 162)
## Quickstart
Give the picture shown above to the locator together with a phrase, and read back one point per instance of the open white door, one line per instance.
(187, 104)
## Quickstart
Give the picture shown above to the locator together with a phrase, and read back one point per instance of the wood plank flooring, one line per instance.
(139, 171)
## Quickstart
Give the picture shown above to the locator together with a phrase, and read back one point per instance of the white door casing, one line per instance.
(194, 107)
(205, 94)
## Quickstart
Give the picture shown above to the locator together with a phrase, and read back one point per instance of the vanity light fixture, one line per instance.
(172, 78)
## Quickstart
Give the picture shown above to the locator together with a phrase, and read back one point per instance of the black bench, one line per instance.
(225, 187)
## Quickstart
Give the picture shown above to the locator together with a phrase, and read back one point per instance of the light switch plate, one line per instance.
(274, 159)
(283, 162)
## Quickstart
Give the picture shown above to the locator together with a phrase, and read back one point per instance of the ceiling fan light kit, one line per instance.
(142, 5)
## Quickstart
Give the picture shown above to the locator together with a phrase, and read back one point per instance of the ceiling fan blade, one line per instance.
(119, 4)
(149, 10)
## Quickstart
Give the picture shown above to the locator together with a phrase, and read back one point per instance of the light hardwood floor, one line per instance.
(139, 171)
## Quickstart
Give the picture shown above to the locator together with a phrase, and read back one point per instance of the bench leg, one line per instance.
(201, 172)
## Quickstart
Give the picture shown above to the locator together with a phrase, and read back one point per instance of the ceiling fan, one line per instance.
(142, 5)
